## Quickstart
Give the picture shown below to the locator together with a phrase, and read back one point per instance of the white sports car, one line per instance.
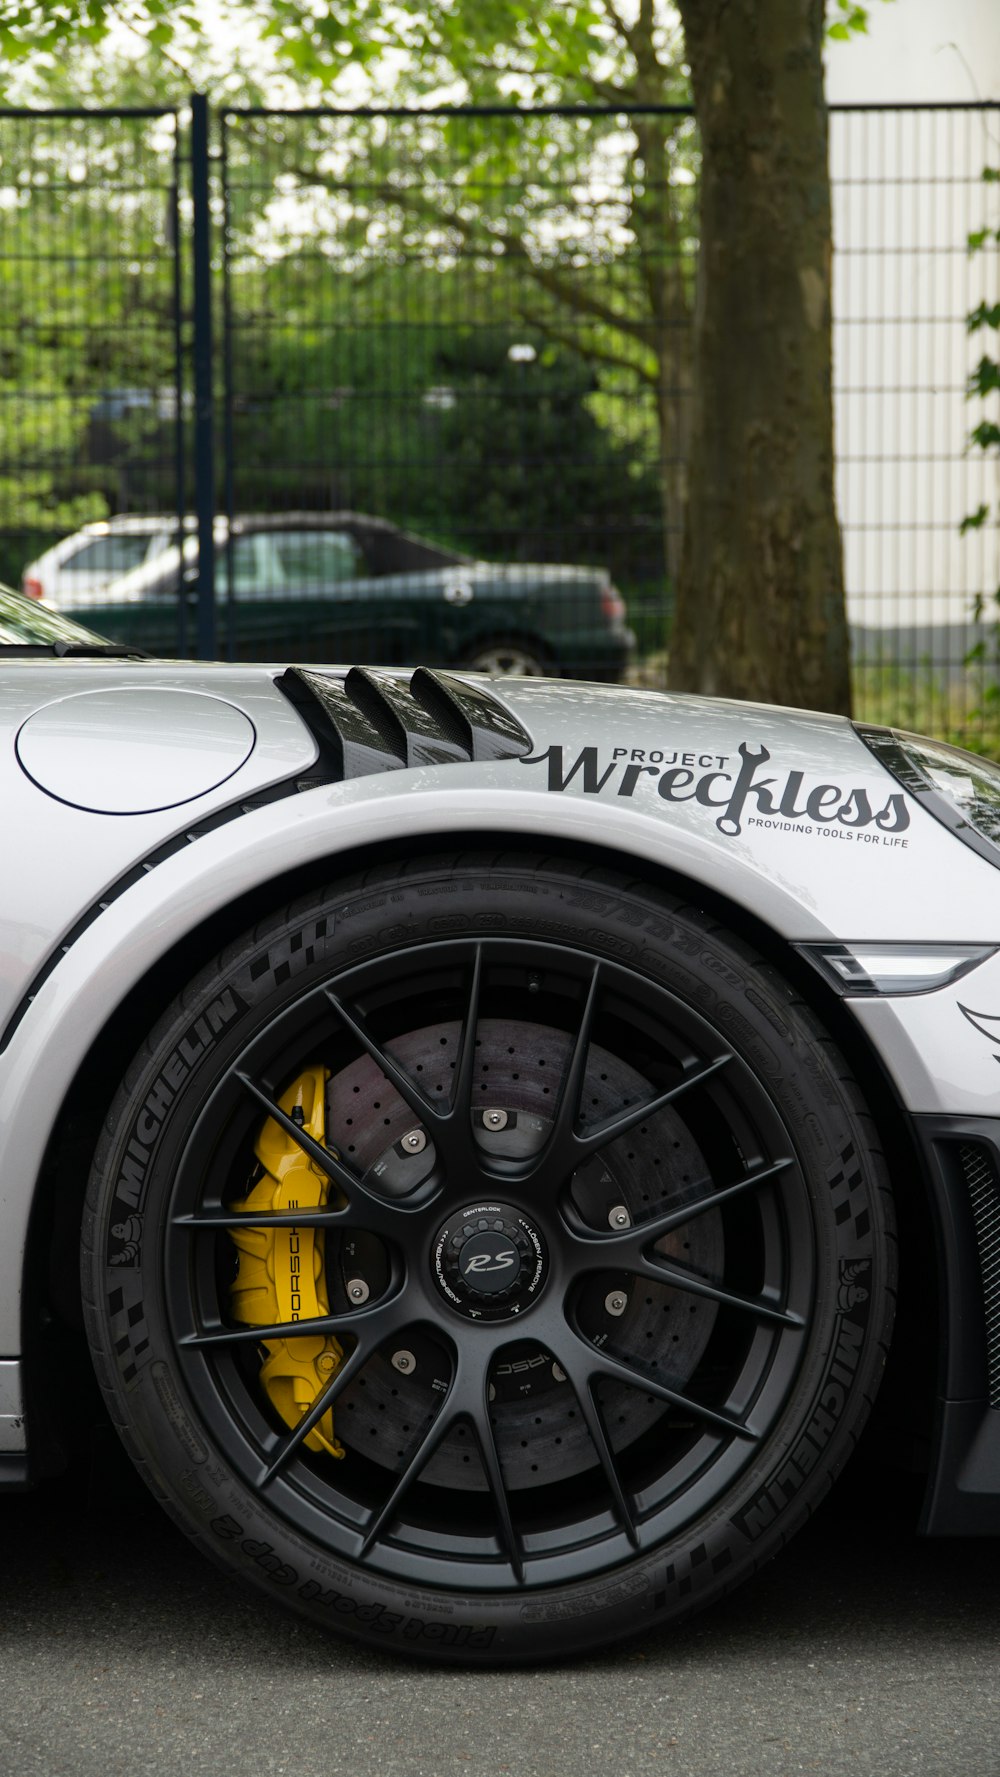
(471, 1126)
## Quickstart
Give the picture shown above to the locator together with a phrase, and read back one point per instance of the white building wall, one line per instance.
(908, 191)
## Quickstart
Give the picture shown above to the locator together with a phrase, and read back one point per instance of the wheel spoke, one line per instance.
(286, 1448)
(680, 1278)
(482, 1427)
(580, 1381)
(602, 1363)
(379, 1319)
(397, 1076)
(444, 1420)
(602, 1134)
(377, 1213)
(257, 1218)
(657, 1226)
(465, 1067)
(562, 1147)
(612, 1248)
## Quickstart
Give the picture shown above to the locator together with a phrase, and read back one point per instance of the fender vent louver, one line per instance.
(371, 721)
(980, 1171)
(366, 723)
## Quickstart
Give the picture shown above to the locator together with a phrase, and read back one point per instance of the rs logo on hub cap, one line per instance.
(489, 1261)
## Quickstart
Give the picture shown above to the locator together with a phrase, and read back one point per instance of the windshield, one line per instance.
(26, 622)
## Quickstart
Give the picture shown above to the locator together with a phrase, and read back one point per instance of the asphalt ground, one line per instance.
(860, 1650)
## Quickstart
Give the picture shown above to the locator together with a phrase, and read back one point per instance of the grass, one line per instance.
(961, 705)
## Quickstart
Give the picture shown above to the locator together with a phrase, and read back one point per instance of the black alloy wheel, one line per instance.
(600, 1258)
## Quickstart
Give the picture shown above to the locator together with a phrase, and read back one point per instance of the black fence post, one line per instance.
(204, 417)
(180, 359)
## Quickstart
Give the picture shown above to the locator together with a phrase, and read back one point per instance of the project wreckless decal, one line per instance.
(740, 790)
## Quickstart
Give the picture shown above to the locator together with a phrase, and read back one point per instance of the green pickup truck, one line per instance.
(343, 586)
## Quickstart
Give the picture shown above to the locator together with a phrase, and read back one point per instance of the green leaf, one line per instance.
(984, 379)
(974, 521)
(853, 21)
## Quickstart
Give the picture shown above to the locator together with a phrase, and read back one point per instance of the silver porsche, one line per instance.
(492, 1138)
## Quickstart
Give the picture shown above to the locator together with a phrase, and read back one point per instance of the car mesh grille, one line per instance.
(983, 1184)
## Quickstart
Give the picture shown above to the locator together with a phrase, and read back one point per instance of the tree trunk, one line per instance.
(760, 608)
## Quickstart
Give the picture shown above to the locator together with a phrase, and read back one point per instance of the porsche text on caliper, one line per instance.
(280, 1271)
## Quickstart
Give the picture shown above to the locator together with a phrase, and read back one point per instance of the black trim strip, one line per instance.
(219, 818)
(886, 746)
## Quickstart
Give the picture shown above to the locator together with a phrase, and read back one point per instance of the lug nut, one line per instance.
(616, 1303)
(404, 1361)
(495, 1119)
(619, 1217)
(358, 1290)
(415, 1141)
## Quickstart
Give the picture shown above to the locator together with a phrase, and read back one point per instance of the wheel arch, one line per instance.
(51, 1244)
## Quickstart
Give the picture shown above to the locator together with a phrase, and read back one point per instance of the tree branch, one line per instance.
(617, 23)
(179, 67)
(590, 349)
(512, 246)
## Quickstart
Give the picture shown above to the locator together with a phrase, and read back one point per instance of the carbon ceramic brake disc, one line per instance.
(540, 1431)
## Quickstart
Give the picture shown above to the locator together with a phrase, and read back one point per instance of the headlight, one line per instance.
(959, 789)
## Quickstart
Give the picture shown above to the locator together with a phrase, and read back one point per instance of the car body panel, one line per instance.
(807, 879)
(942, 1049)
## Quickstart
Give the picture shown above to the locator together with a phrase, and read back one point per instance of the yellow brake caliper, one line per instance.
(280, 1271)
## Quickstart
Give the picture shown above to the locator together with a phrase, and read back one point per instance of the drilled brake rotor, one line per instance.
(539, 1428)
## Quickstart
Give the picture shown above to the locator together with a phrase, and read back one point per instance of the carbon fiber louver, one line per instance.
(370, 721)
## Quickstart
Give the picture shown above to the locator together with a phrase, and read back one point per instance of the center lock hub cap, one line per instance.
(489, 1261)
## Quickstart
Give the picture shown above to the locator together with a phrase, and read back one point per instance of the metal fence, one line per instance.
(437, 367)
(92, 340)
(908, 193)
